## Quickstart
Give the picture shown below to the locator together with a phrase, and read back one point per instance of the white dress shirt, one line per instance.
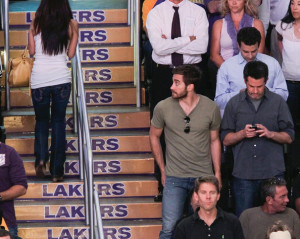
(193, 22)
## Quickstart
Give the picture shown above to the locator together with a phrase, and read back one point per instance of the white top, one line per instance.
(290, 52)
(272, 11)
(193, 22)
(225, 42)
(48, 70)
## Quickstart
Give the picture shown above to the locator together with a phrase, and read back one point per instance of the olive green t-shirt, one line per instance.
(187, 154)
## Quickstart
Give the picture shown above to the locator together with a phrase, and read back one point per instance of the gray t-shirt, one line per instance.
(255, 222)
(187, 154)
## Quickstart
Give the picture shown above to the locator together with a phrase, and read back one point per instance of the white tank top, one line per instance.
(226, 42)
(48, 70)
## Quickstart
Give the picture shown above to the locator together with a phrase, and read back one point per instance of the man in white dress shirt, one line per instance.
(190, 44)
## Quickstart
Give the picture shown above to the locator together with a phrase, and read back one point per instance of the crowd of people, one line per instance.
(221, 84)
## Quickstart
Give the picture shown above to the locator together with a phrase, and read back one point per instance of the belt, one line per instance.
(165, 66)
(293, 82)
(172, 66)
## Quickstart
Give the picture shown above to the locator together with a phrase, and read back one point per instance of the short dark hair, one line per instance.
(268, 187)
(249, 36)
(4, 233)
(256, 70)
(191, 74)
(206, 179)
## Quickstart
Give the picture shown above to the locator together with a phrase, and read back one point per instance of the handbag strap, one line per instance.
(1, 70)
(24, 52)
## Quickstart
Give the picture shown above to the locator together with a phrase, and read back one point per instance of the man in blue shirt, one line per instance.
(230, 76)
(256, 123)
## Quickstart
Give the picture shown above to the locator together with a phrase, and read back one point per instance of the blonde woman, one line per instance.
(236, 15)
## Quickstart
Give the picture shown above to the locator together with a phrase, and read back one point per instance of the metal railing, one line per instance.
(92, 206)
(133, 20)
(4, 7)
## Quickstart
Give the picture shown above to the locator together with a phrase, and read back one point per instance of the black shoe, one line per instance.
(158, 197)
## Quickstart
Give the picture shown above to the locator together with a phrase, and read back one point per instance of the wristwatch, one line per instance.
(0, 198)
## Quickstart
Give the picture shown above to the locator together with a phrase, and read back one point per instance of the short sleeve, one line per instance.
(278, 28)
(16, 170)
(216, 119)
(228, 121)
(158, 117)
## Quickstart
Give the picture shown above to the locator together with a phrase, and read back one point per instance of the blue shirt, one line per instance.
(257, 157)
(230, 78)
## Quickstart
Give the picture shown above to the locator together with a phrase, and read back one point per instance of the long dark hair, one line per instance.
(288, 17)
(52, 20)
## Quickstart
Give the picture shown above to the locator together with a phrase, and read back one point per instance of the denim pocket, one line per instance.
(37, 94)
(64, 91)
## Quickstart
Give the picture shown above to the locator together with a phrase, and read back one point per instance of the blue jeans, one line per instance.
(59, 96)
(14, 232)
(293, 100)
(247, 193)
(175, 192)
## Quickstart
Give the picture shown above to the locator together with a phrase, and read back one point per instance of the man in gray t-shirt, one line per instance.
(256, 221)
(191, 127)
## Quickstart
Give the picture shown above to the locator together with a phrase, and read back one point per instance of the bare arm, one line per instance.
(215, 48)
(13, 192)
(155, 134)
(73, 35)
(215, 150)
(260, 27)
(279, 137)
(235, 137)
(31, 44)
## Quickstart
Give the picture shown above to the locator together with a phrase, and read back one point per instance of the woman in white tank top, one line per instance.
(53, 36)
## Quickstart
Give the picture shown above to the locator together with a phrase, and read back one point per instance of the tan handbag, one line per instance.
(20, 70)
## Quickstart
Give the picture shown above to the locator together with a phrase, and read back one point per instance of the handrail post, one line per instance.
(74, 98)
(6, 51)
(137, 60)
(131, 22)
(98, 215)
(129, 12)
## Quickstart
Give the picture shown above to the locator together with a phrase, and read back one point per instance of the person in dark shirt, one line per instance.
(256, 123)
(208, 221)
(296, 193)
(13, 184)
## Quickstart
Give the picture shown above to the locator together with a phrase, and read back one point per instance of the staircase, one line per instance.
(123, 164)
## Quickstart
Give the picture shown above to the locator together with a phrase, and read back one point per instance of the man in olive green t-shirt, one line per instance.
(191, 127)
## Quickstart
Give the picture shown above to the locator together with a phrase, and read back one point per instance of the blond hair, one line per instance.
(250, 8)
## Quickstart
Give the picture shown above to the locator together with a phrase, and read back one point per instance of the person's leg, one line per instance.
(161, 83)
(41, 104)
(60, 99)
(244, 191)
(175, 193)
(14, 232)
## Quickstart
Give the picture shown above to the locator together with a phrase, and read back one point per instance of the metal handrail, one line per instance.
(85, 150)
(137, 58)
(133, 19)
(5, 26)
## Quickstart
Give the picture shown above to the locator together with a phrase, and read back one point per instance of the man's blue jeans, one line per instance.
(175, 192)
(247, 193)
(59, 96)
(14, 232)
